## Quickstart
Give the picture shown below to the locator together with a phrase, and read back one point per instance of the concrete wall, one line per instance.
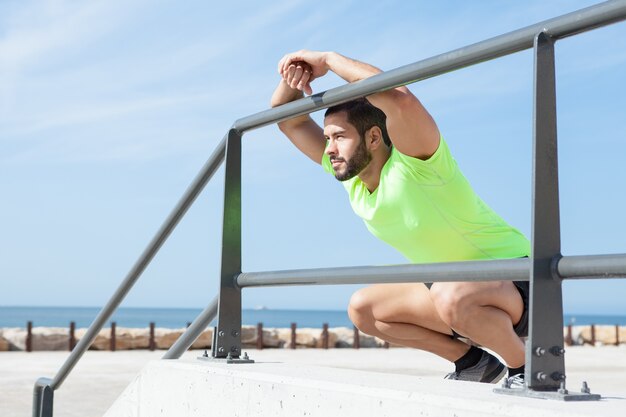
(200, 388)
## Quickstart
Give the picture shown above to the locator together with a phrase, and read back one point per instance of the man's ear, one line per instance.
(374, 137)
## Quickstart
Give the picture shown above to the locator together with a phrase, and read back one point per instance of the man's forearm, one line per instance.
(349, 69)
(284, 94)
(302, 131)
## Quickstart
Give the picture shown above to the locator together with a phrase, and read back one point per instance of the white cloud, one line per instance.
(36, 32)
(103, 111)
(43, 33)
(45, 107)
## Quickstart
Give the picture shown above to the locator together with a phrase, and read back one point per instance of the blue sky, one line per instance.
(108, 109)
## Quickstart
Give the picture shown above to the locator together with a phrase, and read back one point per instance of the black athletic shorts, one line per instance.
(521, 328)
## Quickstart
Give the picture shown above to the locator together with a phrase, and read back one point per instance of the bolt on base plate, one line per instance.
(228, 359)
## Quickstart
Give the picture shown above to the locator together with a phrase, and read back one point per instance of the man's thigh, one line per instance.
(500, 294)
(404, 303)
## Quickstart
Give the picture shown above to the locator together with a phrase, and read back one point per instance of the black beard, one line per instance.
(361, 158)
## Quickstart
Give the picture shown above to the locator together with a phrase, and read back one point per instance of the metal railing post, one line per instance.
(545, 365)
(43, 396)
(229, 302)
(545, 371)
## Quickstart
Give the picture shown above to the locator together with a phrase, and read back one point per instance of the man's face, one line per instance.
(346, 148)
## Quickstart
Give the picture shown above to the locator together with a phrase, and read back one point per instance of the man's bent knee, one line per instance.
(360, 311)
(451, 304)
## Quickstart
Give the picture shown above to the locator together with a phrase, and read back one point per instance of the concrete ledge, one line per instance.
(200, 388)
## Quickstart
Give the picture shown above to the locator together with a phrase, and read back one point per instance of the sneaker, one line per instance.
(488, 369)
(515, 381)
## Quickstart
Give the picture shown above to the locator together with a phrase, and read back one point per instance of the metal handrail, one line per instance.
(560, 27)
(142, 263)
(568, 267)
(515, 41)
(588, 267)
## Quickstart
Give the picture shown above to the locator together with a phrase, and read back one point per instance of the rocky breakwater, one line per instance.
(600, 335)
(57, 338)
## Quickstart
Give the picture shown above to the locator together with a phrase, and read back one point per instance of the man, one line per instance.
(404, 184)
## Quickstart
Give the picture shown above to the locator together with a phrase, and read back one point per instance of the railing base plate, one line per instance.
(548, 395)
(225, 360)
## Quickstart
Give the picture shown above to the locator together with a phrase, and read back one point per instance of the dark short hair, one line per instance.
(363, 116)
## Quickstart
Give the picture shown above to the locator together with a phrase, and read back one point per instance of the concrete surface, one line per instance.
(193, 388)
(101, 377)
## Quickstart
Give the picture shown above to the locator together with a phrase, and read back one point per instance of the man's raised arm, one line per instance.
(411, 128)
(303, 132)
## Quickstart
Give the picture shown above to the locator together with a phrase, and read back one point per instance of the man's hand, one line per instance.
(411, 129)
(299, 69)
(296, 78)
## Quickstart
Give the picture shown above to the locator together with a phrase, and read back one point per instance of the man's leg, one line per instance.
(411, 315)
(485, 312)
(404, 314)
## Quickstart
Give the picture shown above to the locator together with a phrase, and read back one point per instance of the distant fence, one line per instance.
(153, 338)
(259, 337)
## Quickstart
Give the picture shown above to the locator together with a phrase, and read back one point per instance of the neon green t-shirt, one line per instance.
(428, 211)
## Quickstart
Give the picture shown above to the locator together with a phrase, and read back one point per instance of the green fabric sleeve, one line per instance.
(439, 168)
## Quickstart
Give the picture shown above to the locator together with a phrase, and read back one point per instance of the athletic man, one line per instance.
(404, 184)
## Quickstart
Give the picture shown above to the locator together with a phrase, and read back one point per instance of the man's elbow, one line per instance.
(275, 103)
(287, 127)
(405, 100)
(290, 126)
(283, 127)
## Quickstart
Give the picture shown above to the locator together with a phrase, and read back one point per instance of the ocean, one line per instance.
(179, 317)
(163, 317)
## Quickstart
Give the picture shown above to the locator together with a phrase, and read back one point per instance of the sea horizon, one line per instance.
(178, 317)
(167, 317)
